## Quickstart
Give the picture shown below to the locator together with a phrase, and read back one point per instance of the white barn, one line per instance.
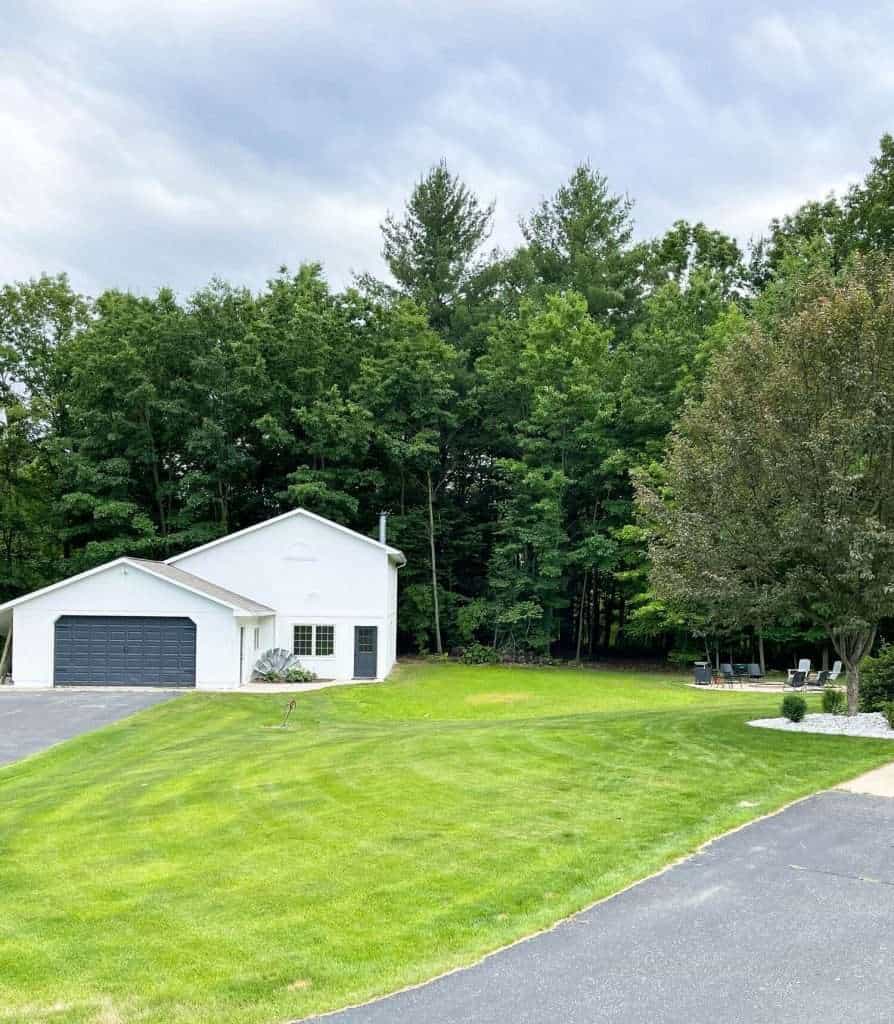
(202, 618)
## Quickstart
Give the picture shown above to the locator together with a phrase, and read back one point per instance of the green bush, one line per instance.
(877, 679)
(684, 658)
(299, 674)
(888, 712)
(834, 701)
(480, 654)
(794, 707)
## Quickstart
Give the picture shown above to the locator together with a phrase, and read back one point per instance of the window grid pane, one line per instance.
(302, 641)
(325, 641)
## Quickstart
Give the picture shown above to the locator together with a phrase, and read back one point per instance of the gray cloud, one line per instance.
(160, 144)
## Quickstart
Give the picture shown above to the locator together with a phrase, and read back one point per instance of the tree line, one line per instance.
(502, 406)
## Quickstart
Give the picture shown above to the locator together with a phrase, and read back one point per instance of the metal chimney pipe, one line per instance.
(383, 527)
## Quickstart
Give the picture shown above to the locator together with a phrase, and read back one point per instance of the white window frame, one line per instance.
(314, 627)
(257, 638)
(302, 625)
(327, 626)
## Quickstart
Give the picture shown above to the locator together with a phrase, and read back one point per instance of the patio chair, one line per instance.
(729, 674)
(797, 679)
(822, 678)
(754, 672)
(803, 666)
(703, 675)
(835, 672)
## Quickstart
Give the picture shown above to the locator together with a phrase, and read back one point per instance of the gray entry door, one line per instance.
(366, 642)
(124, 650)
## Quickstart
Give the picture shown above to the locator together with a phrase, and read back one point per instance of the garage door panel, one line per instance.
(124, 650)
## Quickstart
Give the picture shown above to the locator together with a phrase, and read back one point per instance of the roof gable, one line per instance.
(393, 553)
(189, 581)
(185, 580)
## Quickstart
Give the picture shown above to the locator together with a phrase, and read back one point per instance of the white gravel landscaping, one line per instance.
(872, 725)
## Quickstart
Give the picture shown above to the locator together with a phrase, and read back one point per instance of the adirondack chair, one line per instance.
(835, 671)
(803, 666)
(797, 679)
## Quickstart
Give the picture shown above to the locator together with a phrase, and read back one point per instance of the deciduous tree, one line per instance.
(780, 500)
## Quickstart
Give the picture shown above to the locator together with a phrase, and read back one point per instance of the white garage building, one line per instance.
(202, 618)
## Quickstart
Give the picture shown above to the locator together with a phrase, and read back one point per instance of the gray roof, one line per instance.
(187, 579)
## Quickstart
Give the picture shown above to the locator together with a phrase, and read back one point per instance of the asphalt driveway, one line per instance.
(30, 722)
(788, 921)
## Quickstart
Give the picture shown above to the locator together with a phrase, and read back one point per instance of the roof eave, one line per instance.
(59, 584)
(140, 567)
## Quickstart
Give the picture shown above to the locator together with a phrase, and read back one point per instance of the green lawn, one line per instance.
(195, 864)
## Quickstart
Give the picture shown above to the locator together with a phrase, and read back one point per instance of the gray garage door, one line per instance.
(117, 650)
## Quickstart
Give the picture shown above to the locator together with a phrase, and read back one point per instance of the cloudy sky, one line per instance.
(157, 143)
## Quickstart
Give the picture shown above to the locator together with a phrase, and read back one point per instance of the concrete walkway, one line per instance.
(320, 684)
(879, 782)
(787, 921)
(772, 687)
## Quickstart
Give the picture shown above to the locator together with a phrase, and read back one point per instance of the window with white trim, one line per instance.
(324, 637)
(303, 641)
(313, 641)
(257, 637)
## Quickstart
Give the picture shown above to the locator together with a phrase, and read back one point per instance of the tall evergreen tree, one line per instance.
(432, 249)
(580, 238)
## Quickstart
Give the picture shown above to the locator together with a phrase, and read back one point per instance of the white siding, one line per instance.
(388, 652)
(266, 628)
(312, 574)
(123, 590)
(297, 565)
(340, 665)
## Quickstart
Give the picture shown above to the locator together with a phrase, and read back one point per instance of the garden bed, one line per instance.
(871, 725)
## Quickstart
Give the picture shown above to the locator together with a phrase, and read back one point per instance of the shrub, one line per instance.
(877, 679)
(684, 658)
(480, 654)
(794, 707)
(834, 702)
(299, 674)
(471, 617)
(273, 665)
(888, 712)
